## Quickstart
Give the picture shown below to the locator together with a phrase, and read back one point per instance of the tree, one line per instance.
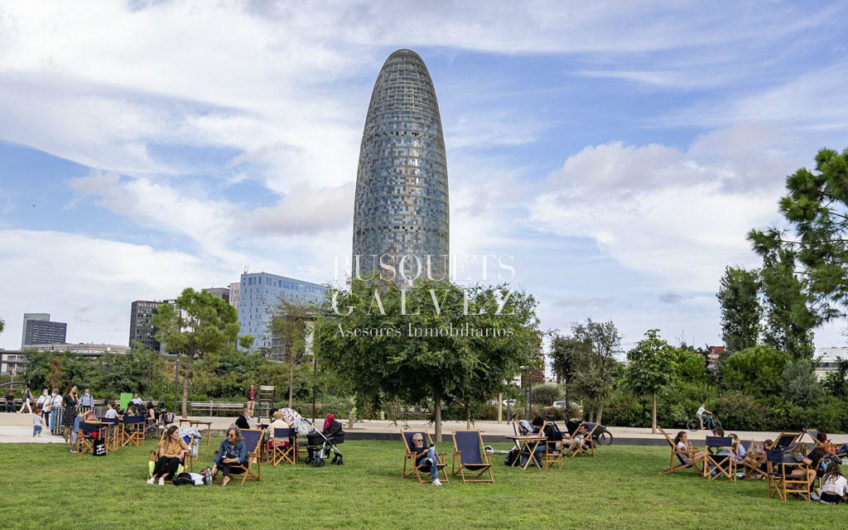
(590, 353)
(741, 311)
(431, 341)
(816, 210)
(799, 381)
(2, 325)
(199, 323)
(650, 368)
(755, 371)
(835, 382)
(290, 325)
(564, 354)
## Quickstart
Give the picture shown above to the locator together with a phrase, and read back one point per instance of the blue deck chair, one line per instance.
(679, 459)
(111, 433)
(720, 463)
(587, 444)
(470, 459)
(786, 441)
(88, 431)
(780, 479)
(132, 432)
(422, 472)
(284, 453)
(253, 443)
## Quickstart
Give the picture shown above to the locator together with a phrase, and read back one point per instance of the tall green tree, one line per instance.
(799, 382)
(755, 371)
(289, 326)
(650, 367)
(564, 354)
(431, 341)
(816, 211)
(741, 312)
(198, 323)
(590, 350)
(2, 325)
(835, 382)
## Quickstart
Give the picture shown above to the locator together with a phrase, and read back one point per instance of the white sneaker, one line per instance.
(162, 481)
(150, 480)
(437, 482)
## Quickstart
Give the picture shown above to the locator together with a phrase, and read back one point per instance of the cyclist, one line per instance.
(700, 414)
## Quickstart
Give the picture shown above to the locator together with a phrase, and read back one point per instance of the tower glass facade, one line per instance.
(401, 214)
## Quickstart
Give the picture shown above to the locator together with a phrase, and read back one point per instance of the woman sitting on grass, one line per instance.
(685, 450)
(231, 455)
(171, 450)
(834, 487)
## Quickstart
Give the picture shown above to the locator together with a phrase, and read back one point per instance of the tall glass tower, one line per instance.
(401, 217)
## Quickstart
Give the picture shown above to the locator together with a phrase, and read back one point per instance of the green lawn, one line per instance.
(46, 487)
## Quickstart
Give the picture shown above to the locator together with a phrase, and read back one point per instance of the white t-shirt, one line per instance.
(838, 486)
(701, 411)
(57, 401)
(41, 399)
(36, 419)
(111, 413)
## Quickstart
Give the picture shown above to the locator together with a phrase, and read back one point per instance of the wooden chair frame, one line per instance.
(284, 453)
(115, 436)
(751, 463)
(554, 450)
(471, 475)
(715, 465)
(780, 481)
(85, 444)
(791, 439)
(254, 459)
(409, 458)
(677, 462)
(587, 444)
(133, 435)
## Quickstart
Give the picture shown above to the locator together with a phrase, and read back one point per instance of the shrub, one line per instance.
(755, 371)
(546, 394)
(738, 411)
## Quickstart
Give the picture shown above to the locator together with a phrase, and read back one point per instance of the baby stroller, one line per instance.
(320, 445)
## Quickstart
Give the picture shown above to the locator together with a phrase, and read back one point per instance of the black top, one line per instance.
(241, 423)
(10, 396)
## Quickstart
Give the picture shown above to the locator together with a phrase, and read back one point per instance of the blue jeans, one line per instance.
(36, 429)
(433, 460)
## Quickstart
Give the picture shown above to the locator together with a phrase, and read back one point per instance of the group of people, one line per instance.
(821, 462)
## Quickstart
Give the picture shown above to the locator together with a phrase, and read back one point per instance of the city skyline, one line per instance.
(620, 152)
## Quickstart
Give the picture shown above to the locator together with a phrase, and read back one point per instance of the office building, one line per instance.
(221, 292)
(234, 294)
(44, 331)
(27, 318)
(401, 215)
(141, 324)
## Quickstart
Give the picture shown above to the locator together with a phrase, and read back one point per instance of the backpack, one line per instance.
(511, 457)
(99, 447)
(183, 479)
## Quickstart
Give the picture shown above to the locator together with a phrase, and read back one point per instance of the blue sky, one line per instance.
(620, 151)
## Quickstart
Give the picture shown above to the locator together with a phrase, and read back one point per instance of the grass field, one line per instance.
(46, 487)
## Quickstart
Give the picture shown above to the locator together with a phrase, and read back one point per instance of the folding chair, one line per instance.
(186, 459)
(410, 456)
(780, 479)
(253, 443)
(684, 458)
(554, 448)
(587, 443)
(88, 431)
(786, 441)
(470, 456)
(722, 463)
(284, 453)
(754, 465)
(132, 432)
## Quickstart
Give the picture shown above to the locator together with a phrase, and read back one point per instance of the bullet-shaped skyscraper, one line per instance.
(401, 216)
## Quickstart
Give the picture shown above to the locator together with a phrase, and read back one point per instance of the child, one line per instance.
(834, 486)
(37, 422)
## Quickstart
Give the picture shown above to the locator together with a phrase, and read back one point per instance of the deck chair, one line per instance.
(284, 453)
(422, 473)
(554, 448)
(88, 431)
(679, 459)
(719, 464)
(187, 462)
(253, 443)
(132, 432)
(586, 445)
(780, 481)
(786, 441)
(470, 459)
(112, 433)
(753, 465)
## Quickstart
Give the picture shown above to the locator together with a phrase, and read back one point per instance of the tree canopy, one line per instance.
(650, 367)
(741, 312)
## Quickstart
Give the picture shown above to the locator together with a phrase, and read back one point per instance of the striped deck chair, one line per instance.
(586, 445)
(470, 459)
(421, 472)
(780, 479)
(279, 451)
(679, 459)
(720, 463)
(253, 443)
(88, 431)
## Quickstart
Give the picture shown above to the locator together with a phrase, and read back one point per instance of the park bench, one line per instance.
(215, 407)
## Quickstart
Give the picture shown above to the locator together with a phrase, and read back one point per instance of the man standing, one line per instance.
(46, 407)
(87, 400)
(251, 398)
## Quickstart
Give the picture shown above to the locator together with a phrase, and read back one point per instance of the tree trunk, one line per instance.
(500, 407)
(600, 413)
(351, 419)
(654, 413)
(186, 376)
(291, 380)
(437, 412)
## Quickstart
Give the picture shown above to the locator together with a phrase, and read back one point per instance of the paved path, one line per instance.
(17, 428)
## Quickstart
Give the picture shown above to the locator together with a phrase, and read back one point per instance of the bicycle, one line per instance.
(711, 423)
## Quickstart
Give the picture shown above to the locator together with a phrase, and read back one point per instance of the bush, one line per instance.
(546, 394)
(738, 411)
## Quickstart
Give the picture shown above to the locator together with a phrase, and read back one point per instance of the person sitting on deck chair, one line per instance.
(681, 441)
(426, 455)
(231, 455)
(550, 432)
(795, 457)
(575, 439)
(171, 450)
(241, 421)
